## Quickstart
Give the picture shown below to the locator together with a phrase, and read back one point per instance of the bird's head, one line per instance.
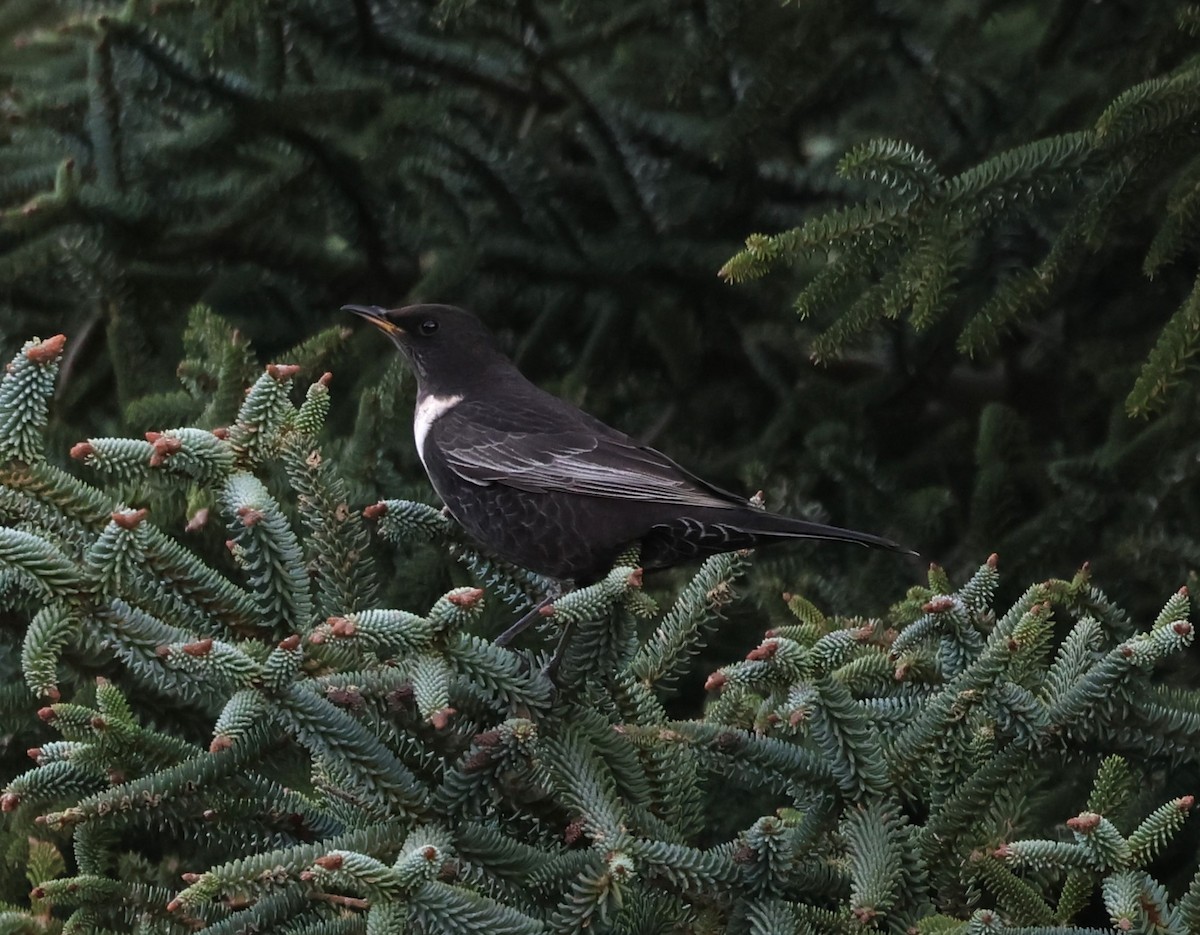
(444, 344)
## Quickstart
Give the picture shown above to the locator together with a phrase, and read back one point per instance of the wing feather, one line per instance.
(573, 461)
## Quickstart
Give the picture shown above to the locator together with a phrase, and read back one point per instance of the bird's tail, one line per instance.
(764, 525)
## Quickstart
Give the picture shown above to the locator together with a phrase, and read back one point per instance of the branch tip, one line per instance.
(46, 351)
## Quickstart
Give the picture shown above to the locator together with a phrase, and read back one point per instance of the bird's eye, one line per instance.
(428, 326)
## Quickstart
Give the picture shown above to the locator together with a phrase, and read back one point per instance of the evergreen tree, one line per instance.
(254, 741)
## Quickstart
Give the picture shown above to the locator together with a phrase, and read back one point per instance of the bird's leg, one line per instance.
(555, 590)
(525, 622)
(550, 669)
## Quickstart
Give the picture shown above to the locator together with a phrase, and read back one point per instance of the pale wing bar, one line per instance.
(583, 465)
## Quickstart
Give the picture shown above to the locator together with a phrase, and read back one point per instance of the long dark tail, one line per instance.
(761, 524)
(707, 531)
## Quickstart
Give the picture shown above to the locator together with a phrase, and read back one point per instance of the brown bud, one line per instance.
(342, 626)
(249, 515)
(152, 437)
(548, 611)
(81, 451)
(635, 578)
(52, 694)
(290, 643)
(573, 832)
(1182, 627)
(348, 697)
(938, 605)
(199, 648)
(1185, 802)
(164, 447)
(466, 599)
(34, 753)
(440, 719)
(47, 350)
(174, 905)
(715, 682)
(219, 743)
(763, 651)
(281, 372)
(9, 801)
(198, 521)
(400, 697)
(1084, 822)
(375, 510)
(47, 715)
(329, 861)
(993, 560)
(130, 519)
(325, 378)
(190, 878)
(221, 432)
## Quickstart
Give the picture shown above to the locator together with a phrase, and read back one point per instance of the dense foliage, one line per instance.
(985, 215)
(255, 742)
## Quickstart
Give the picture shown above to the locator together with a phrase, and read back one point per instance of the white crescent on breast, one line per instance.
(429, 410)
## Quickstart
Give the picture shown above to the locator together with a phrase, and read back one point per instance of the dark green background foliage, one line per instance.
(579, 172)
(985, 215)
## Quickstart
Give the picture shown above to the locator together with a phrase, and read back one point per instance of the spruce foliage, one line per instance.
(249, 739)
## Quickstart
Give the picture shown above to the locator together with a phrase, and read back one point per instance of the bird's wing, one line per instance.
(572, 460)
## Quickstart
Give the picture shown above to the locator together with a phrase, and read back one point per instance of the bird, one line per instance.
(538, 482)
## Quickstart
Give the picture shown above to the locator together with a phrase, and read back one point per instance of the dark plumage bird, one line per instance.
(539, 483)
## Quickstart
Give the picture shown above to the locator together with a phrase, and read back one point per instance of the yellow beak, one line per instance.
(375, 315)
